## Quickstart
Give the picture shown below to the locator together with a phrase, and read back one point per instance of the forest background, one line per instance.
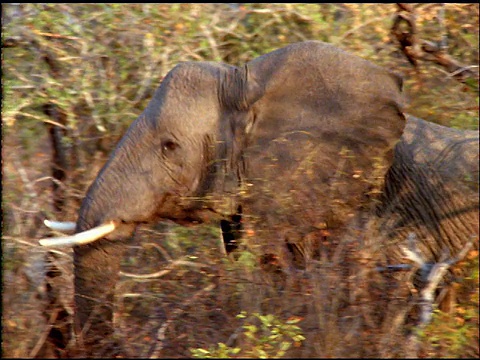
(74, 76)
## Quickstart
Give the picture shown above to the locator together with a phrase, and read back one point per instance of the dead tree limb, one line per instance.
(404, 29)
(431, 276)
(59, 159)
(59, 331)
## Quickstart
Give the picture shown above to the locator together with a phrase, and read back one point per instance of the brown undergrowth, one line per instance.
(100, 63)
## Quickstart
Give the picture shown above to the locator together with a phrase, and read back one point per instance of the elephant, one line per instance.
(305, 126)
(431, 189)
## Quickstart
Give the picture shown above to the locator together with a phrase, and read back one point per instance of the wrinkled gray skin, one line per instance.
(431, 189)
(216, 136)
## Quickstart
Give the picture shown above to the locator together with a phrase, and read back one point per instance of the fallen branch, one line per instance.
(431, 274)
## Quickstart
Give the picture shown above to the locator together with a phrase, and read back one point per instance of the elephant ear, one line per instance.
(321, 129)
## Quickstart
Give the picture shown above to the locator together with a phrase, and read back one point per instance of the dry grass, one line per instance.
(100, 63)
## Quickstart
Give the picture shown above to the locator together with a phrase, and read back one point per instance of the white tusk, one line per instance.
(82, 238)
(60, 226)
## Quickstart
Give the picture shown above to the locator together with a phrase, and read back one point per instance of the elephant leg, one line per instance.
(232, 231)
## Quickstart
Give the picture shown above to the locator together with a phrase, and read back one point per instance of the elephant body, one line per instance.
(304, 138)
(431, 190)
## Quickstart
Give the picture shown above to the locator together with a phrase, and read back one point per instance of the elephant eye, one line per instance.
(169, 145)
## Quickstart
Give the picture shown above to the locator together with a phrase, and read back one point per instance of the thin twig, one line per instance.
(161, 333)
(211, 40)
(163, 272)
(465, 68)
(44, 335)
(55, 36)
(160, 249)
(358, 27)
(397, 267)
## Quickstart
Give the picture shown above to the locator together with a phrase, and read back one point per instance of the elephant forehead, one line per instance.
(191, 77)
(190, 118)
(187, 97)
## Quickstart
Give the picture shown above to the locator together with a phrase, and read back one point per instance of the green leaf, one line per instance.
(298, 338)
(242, 315)
(251, 328)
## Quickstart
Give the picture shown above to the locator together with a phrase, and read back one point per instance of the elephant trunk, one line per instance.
(126, 194)
(96, 265)
(96, 272)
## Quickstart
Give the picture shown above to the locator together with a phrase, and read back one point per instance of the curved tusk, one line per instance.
(82, 238)
(60, 226)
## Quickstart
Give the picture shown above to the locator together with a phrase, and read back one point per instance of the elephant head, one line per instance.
(216, 136)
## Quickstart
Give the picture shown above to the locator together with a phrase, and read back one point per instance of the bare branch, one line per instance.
(44, 335)
(416, 49)
(432, 275)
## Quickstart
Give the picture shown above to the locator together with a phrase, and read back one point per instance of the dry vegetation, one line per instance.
(98, 65)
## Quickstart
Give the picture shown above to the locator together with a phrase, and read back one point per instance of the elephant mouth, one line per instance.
(121, 229)
(196, 217)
